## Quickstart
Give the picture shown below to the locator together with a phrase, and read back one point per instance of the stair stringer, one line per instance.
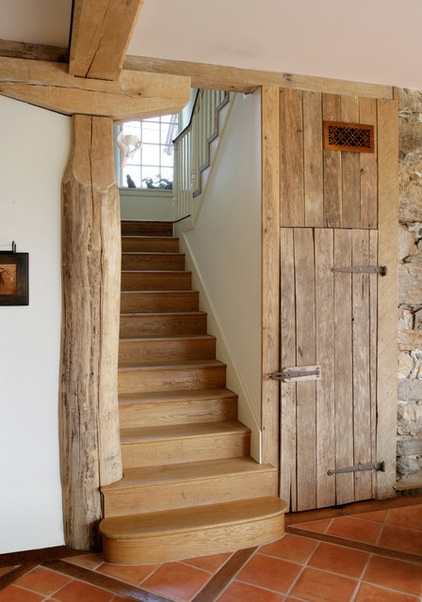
(246, 414)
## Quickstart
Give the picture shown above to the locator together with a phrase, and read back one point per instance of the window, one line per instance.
(151, 165)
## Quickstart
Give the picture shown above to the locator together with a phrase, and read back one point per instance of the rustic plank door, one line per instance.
(328, 320)
(335, 219)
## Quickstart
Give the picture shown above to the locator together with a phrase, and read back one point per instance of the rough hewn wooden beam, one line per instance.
(247, 80)
(101, 31)
(89, 424)
(214, 76)
(133, 96)
(37, 52)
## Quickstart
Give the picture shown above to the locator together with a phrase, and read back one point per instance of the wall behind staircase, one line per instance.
(33, 153)
(225, 250)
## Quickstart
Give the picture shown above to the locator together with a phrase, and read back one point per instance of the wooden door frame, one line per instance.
(387, 136)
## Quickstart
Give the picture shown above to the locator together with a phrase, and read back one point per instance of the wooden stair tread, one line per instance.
(209, 469)
(169, 314)
(176, 396)
(171, 365)
(140, 526)
(178, 337)
(159, 273)
(185, 431)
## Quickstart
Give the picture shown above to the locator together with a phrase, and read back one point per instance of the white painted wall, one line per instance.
(141, 203)
(33, 152)
(225, 254)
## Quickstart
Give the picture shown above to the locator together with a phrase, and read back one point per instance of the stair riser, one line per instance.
(156, 281)
(150, 244)
(163, 413)
(134, 228)
(185, 494)
(157, 261)
(168, 379)
(162, 350)
(159, 301)
(176, 451)
(190, 544)
(162, 326)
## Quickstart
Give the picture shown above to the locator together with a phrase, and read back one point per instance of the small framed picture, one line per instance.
(14, 278)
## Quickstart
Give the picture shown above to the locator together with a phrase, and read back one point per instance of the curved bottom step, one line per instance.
(191, 532)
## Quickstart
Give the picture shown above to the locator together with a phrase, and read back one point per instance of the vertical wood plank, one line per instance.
(288, 486)
(373, 340)
(332, 169)
(343, 366)
(361, 365)
(324, 253)
(292, 209)
(387, 293)
(369, 168)
(305, 355)
(351, 208)
(270, 113)
(313, 163)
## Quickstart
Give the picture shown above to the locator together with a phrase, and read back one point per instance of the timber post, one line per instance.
(89, 425)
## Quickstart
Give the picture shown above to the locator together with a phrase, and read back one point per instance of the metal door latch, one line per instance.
(358, 467)
(362, 269)
(298, 374)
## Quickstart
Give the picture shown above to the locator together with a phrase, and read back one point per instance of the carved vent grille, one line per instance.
(354, 137)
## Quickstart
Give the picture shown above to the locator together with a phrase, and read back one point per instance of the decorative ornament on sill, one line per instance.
(128, 145)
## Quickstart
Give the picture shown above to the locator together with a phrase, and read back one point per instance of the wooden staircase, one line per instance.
(190, 487)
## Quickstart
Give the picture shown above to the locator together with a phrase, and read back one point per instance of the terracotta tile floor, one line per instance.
(362, 557)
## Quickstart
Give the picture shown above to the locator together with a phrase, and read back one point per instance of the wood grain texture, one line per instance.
(288, 461)
(305, 355)
(270, 272)
(387, 291)
(292, 199)
(369, 168)
(325, 349)
(333, 188)
(343, 366)
(351, 205)
(133, 96)
(90, 444)
(313, 162)
(98, 46)
(361, 364)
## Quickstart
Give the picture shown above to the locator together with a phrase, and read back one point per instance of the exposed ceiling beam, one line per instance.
(246, 80)
(212, 76)
(133, 96)
(101, 31)
(36, 52)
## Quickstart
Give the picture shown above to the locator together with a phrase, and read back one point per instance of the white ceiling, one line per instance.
(376, 41)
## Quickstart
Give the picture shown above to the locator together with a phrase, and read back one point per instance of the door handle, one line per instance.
(298, 374)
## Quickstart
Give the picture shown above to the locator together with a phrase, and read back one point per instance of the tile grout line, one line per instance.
(384, 522)
(110, 584)
(357, 545)
(16, 573)
(360, 581)
(221, 580)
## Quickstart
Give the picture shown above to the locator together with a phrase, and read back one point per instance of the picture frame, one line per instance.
(14, 288)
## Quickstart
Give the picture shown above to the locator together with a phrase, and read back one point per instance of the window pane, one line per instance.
(151, 154)
(166, 160)
(155, 157)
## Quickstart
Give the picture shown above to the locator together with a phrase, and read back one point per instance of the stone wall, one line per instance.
(409, 428)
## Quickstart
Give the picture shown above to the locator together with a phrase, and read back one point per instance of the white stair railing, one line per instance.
(192, 150)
